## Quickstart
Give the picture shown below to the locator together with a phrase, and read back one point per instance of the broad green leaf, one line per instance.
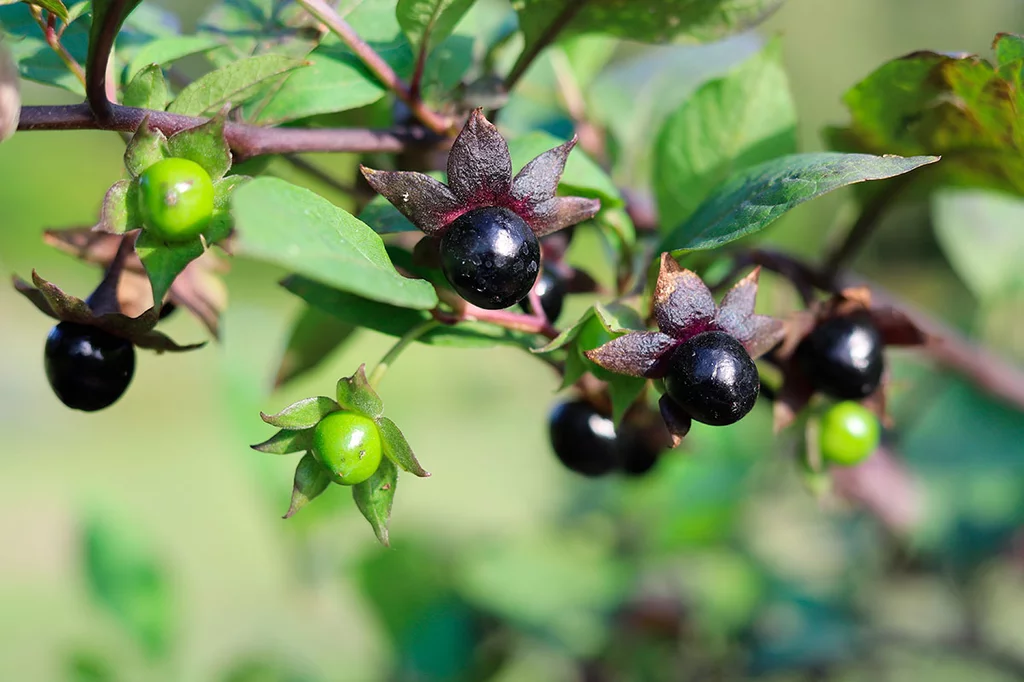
(582, 177)
(652, 21)
(1009, 48)
(147, 90)
(286, 441)
(751, 200)
(960, 107)
(397, 448)
(55, 7)
(164, 262)
(314, 336)
(311, 479)
(163, 51)
(36, 60)
(128, 581)
(146, 147)
(293, 227)
(730, 123)
(356, 395)
(980, 233)
(204, 144)
(230, 83)
(375, 496)
(393, 321)
(106, 15)
(304, 414)
(427, 22)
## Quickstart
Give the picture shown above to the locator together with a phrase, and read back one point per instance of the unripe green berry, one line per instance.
(848, 433)
(175, 199)
(348, 445)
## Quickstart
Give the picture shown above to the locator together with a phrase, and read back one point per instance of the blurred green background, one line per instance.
(500, 546)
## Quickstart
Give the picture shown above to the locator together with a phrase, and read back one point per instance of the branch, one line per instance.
(245, 141)
(568, 13)
(100, 47)
(376, 64)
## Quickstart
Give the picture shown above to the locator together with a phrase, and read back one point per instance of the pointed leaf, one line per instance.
(161, 343)
(314, 336)
(146, 147)
(683, 304)
(479, 165)
(55, 7)
(753, 199)
(676, 420)
(305, 414)
(205, 145)
(581, 175)
(538, 180)
(1009, 47)
(375, 496)
(120, 211)
(286, 441)
(34, 295)
(148, 90)
(322, 242)
(568, 335)
(428, 22)
(397, 448)
(427, 202)
(230, 84)
(639, 354)
(560, 212)
(356, 395)
(164, 262)
(311, 479)
(169, 49)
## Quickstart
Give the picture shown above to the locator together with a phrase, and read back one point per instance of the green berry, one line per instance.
(348, 445)
(849, 433)
(175, 199)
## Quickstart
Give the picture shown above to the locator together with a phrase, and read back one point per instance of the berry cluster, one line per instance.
(587, 441)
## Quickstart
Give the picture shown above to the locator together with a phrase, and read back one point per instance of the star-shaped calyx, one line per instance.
(836, 348)
(703, 352)
(487, 220)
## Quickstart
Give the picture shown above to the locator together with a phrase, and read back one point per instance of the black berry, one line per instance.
(712, 377)
(551, 290)
(491, 257)
(843, 357)
(88, 368)
(583, 439)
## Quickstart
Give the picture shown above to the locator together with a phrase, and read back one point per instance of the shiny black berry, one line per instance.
(88, 368)
(583, 439)
(712, 377)
(638, 457)
(551, 290)
(843, 357)
(491, 257)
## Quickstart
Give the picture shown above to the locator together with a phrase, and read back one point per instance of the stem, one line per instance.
(568, 13)
(376, 64)
(53, 40)
(389, 358)
(245, 141)
(100, 47)
(532, 324)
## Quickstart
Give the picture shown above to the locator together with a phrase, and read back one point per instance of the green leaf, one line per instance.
(730, 123)
(106, 15)
(582, 177)
(393, 321)
(146, 147)
(36, 60)
(126, 580)
(204, 144)
(321, 241)
(221, 222)
(1009, 47)
(163, 51)
(286, 441)
(980, 233)
(120, 211)
(960, 107)
(230, 83)
(375, 496)
(428, 22)
(624, 391)
(753, 199)
(311, 479)
(397, 448)
(356, 395)
(652, 21)
(55, 7)
(304, 414)
(314, 336)
(164, 262)
(147, 90)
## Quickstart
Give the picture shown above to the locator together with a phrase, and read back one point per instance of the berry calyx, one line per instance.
(88, 368)
(848, 433)
(551, 290)
(712, 377)
(348, 445)
(583, 439)
(175, 199)
(843, 357)
(491, 257)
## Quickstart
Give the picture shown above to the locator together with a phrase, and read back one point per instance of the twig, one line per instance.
(534, 324)
(52, 36)
(100, 46)
(376, 64)
(246, 141)
(568, 13)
